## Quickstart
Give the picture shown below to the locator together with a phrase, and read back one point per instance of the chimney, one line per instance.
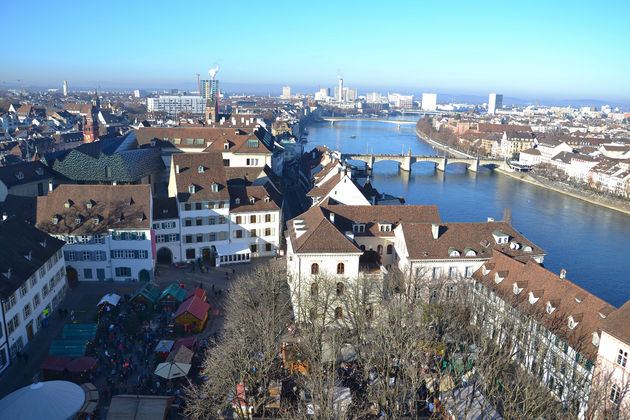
(50, 186)
(176, 169)
(563, 274)
(332, 217)
(435, 230)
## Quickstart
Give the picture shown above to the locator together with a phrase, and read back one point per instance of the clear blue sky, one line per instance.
(561, 49)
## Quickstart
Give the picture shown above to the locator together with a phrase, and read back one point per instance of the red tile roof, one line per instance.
(194, 306)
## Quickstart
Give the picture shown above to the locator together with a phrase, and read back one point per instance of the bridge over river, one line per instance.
(384, 120)
(405, 161)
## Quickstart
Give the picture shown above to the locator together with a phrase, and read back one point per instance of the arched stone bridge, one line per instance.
(405, 161)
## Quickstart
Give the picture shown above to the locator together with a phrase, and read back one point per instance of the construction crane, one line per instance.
(198, 84)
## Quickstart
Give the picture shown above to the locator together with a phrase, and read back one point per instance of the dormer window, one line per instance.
(498, 278)
(527, 248)
(358, 227)
(39, 171)
(452, 252)
(89, 204)
(226, 146)
(237, 200)
(517, 289)
(215, 187)
(572, 323)
(97, 220)
(252, 200)
(484, 243)
(500, 237)
(43, 243)
(469, 252)
(266, 199)
(201, 169)
(384, 227)
(191, 189)
(485, 270)
(595, 339)
(532, 299)
(29, 256)
(68, 204)
(129, 202)
(514, 246)
(19, 175)
(550, 308)
(77, 220)
(252, 144)
(55, 220)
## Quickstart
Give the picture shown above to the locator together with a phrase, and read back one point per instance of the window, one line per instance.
(187, 222)
(268, 232)
(450, 291)
(85, 256)
(338, 312)
(13, 323)
(267, 218)
(45, 290)
(314, 289)
(199, 221)
(23, 290)
(437, 272)
(215, 187)
(33, 280)
(433, 294)
(622, 358)
(379, 249)
(190, 254)
(36, 300)
(314, 268)
(389, 249)
(87, 273)
(237, 220)
(252, 218)
(252, 233)
(452, 272)
(199, 237)
(340, 268)
(191, 189)
(268, 247)
(123, 271)
(238, 233)
(197, 206)
(27, 310)
(340, 288)
(469, 272)
(187, 206)
(189, 239)
(253, 248)
(615, 394)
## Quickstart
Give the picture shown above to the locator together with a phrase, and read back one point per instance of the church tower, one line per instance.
(90, 130)
(212, 110)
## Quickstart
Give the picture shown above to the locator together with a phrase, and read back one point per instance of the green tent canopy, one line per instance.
(79, 332)
(68, 348)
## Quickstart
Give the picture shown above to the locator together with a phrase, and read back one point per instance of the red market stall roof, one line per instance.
(187, 342)
(54, 362)
(194, 306)
(200, 293)
(82, 364)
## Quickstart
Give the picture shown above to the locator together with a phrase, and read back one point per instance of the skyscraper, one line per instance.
(495, 101)
(65, 88)
(208, 88)
(429, 101)
(339, 91)
(286, 92)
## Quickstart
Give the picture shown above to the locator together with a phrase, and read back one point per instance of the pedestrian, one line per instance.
(213, 287)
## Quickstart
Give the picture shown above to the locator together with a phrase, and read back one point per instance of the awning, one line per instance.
(232, 249)
(110, 299)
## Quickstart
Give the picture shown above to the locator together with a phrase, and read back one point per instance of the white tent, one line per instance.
(172, 370)
(110, 299)
(51, 400)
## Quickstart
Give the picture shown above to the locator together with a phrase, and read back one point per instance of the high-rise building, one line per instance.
(429, 101)
(286, 92)
(350, 94)
(324, 91)
(208, 88)
(495, 101)
(400, 101)
(173, 105)
(339, 90)
(65, 88)
(373, 98)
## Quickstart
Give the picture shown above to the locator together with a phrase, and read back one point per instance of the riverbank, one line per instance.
(590, 197)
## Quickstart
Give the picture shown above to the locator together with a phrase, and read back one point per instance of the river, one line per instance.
(592, 243)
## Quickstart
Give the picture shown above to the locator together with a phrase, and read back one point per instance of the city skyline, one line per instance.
(559, 50)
